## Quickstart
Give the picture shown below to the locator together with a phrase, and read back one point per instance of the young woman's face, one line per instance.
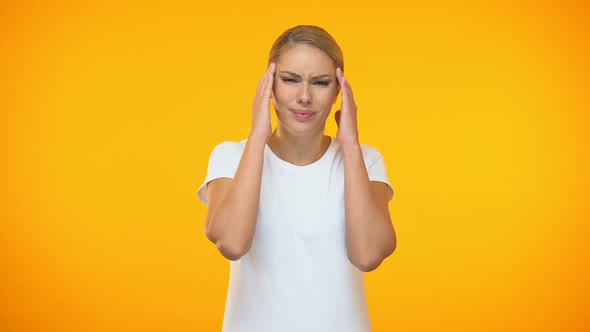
(304, 90)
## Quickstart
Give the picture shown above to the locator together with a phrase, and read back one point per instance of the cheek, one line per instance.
(335, 96)
(329, 97)
(280, 94)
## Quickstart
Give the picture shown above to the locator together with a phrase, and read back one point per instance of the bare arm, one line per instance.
(370, 237)
(233, 203)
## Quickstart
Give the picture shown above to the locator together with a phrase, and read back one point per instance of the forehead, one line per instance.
(304, 59)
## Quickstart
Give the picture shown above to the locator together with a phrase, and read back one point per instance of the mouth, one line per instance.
(302, 115)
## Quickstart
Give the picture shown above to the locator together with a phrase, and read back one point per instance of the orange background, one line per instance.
(109, 112)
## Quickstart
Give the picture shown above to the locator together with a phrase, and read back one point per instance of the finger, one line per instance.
(340, 76)
(267, 89)
(262, 82)
(265, 78)
(349, 88)
(346, 97)
(337, 118)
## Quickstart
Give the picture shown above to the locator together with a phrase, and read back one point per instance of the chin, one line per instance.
(302, 129)
(289, 124)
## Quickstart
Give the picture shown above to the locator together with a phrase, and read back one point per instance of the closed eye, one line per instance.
(294, 80)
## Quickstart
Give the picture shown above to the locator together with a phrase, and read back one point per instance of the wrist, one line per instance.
(258, 138)
(346, 140)
(350, 147)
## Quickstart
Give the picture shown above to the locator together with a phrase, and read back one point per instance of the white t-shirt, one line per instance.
(296, 276)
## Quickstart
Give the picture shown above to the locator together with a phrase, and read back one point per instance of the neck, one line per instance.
(298, 150)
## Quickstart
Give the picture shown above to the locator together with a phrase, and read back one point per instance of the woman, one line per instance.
(299, 214)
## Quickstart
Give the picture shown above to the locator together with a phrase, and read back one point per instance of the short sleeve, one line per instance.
(376, 167)
(223, 163)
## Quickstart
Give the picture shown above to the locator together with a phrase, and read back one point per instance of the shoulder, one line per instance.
(230, 148)
(376, 167)
(369, 151)
(371, 154)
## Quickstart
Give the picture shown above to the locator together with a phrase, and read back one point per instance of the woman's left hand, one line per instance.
(346, 118)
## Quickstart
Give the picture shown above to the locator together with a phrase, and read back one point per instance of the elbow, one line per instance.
(368, 263)
(390, 244)
(233, 252)
(391, 247)
(231, 248)
(365, 262)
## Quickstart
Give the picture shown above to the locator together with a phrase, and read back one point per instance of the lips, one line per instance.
(303, 112)
(302, 115)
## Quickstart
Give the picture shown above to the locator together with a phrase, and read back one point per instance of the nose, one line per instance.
(304, 96)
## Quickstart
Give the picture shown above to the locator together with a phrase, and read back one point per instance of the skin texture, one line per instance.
(305, 79)
(303, 86)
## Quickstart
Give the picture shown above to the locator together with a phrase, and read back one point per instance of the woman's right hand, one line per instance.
(261, 125)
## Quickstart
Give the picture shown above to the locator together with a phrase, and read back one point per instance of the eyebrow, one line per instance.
(299, 76)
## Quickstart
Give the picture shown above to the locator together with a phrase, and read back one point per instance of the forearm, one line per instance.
(233, 223)
(369, 232)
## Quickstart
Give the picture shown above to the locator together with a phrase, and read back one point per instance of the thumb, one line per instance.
(337, 118)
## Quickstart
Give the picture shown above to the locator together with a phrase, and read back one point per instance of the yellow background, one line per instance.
(109, 111)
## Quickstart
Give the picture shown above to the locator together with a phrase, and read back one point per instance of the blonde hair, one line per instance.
(310, 35)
